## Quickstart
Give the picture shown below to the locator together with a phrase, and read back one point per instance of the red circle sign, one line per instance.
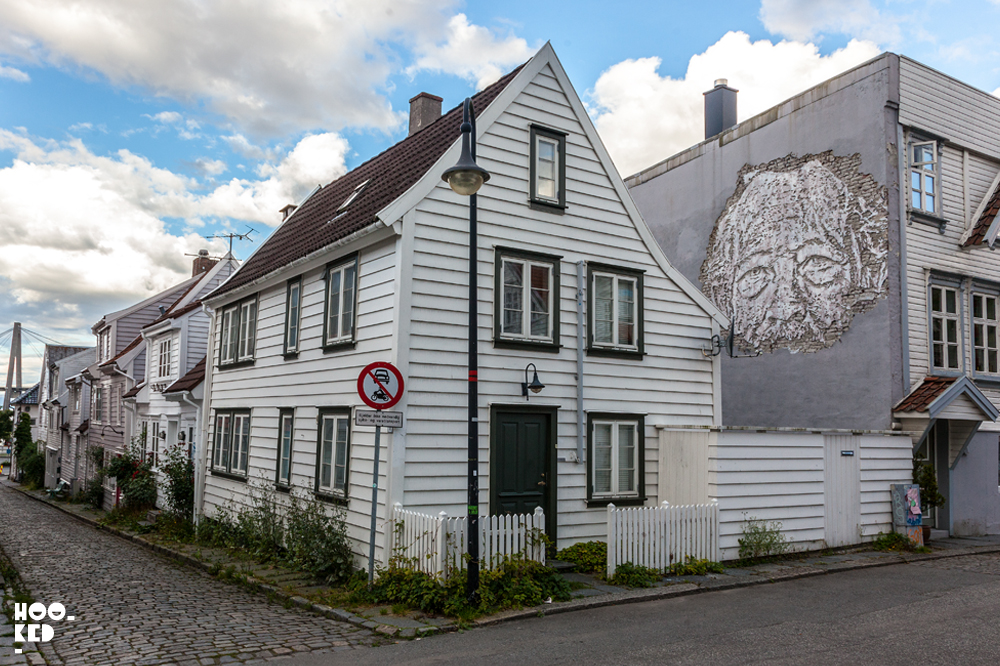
(380, 385)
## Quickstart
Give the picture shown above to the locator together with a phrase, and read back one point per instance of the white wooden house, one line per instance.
(374, 266)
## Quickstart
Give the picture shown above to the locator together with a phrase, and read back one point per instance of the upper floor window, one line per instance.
(616, 457)
(292, 318)
(984, 332)
(104, 344)
(231, 450)
(945, 326)
(77, 393)
(98, 404)
(548, 167)
(163, 366)
(239, 330)
(527, 298)
(923, 177)
(341, 292)
(332, 452)
(615, 307)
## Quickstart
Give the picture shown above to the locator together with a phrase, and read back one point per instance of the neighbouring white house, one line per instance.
(374, 267)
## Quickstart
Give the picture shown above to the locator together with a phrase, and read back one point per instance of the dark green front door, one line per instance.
(521, 469)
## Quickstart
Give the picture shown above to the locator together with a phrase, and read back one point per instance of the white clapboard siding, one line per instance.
(659, 536)
(672, 383)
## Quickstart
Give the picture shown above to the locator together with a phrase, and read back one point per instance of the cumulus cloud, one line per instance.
(312, 63)
(14, 74)
(166, 117)
(644, 117)
(803, 20)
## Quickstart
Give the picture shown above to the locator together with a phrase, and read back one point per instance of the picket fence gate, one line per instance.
(658, 536)
(435, 544)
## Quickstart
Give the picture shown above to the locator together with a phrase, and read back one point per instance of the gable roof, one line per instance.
(190, 380)
(29, 397)
(172, 313)
(129, 347)
(934, 394)
(317, 222)
(983, 231)
(178, 290)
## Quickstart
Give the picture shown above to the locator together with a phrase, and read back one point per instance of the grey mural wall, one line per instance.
(799, 249)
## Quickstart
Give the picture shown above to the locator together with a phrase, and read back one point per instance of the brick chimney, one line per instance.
(202, 263)
(425, 108)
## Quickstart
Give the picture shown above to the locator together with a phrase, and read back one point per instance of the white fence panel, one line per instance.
(437, 543)
(658, 536)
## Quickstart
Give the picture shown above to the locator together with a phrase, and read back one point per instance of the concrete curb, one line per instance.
(614, 599)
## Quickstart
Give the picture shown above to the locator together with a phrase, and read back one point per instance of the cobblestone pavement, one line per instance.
(131, 606)
(988, 563)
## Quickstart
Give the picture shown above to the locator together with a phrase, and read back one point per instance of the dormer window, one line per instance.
(354, 195)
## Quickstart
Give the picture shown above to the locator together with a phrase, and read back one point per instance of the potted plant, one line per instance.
(925, 477)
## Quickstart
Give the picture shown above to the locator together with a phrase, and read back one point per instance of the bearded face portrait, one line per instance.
(796, 254)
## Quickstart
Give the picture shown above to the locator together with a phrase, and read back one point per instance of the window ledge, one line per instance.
(290, 356)
(332, 499)
(281, 488)
(238, 364)
(334, 347)
(991, 381)
(547, 206)
(928, 219)
(527, 345)
(617, 501)
(228, 475)
(611, 352)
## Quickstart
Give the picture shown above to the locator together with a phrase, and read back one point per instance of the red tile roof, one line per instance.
(190, 380)
(317, 223)
(985, 220)
(927, 392)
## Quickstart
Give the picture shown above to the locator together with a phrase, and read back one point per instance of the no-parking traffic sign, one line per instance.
(380, 385)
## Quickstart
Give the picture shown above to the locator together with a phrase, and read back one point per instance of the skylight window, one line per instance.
(354, 195)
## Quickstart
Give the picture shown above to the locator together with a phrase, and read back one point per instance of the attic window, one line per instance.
(354, 195)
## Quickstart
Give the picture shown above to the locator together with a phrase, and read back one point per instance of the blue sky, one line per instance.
(128, 131)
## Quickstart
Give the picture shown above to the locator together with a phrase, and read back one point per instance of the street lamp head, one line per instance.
(466, 177)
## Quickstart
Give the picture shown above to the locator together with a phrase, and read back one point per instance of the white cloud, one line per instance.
(644, 117)
(271, 67)
(211, 167)
(472, 52)
(13, 74)
(803, 20)
(166, 117)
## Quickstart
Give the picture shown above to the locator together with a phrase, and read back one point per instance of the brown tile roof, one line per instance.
(83, 426)
(985, 220)
(134, 391)
(926, 393)
(189, 381)
(173, 314)
(132, 345)
(317, 223)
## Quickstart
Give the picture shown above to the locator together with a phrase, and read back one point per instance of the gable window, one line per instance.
(945, 341)
(292, 318)
(526, 308)
(615, 310)
(548, 168)
(332, 452)
(923, 177)
(984, 333)
(286, 431)
(616, 453)
(231, 450)
(98, 404)
(77, 392)
(341, 290)
(238, 333)
(163, 367)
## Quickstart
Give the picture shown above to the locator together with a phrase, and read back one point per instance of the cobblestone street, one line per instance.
(131, 606)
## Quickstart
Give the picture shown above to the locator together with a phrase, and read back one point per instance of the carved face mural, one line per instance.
(799, 249)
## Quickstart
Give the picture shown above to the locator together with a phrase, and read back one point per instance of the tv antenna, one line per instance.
(244, 236)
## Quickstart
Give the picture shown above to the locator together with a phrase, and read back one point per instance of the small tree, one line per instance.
(179, 470)
(6, 425)
(22, 436)
(925, 477)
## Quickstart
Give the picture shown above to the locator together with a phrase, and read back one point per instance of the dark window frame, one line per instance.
(292, 352)
(640, 461)
(537, 203)
(226, 470)
(332, 495)
(236, 308)
(640, 315)
(501, 342)
(342, 262)
(954, 283)
(284, 484)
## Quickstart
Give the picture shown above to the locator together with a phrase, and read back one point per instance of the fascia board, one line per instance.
(966, 386)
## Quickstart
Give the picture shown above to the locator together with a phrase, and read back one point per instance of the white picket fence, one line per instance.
(658, 536)
(433, 544)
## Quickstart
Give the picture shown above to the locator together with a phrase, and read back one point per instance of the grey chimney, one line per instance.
(720, 108)
(425, 108)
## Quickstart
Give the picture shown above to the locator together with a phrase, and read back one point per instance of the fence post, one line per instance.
(390, 532)
(717, 553)
(612, 541)
(539, 524)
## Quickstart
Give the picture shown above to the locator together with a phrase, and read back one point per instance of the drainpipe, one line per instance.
(201, 461)
(579, 363)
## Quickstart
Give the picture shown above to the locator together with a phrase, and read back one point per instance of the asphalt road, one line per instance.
(936, 612)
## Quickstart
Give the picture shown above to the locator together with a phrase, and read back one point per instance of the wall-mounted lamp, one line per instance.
(180, 436)
(163, 435)
(535, 386)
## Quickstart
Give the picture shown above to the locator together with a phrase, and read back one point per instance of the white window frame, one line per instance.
(164, 360)
(985, 353)
(340, 328)
(615, 343)
(286, 442)
(293, 316)
(939, 321)
(231, 442)
(540, 140)
(238, 332)
(247, 330)
(924, 184)
(98, 404)
(614, 491)
(333, 453)
(527, 266)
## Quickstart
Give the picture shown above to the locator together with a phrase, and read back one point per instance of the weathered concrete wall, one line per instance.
(975, 496)
(837, 369)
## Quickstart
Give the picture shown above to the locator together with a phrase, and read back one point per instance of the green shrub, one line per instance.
(695, 567)
(632, 575)
(762, 539)
(316, 541)
(93, 492)
(31, 462)
(178, 468)
(895, 542)
(588, 556)
(134, 477)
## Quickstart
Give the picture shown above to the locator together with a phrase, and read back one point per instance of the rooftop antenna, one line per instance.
(231, 236)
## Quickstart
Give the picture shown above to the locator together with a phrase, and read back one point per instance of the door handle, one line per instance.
(541, 483)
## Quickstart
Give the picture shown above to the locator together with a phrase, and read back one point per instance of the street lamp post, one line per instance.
(465, 178)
